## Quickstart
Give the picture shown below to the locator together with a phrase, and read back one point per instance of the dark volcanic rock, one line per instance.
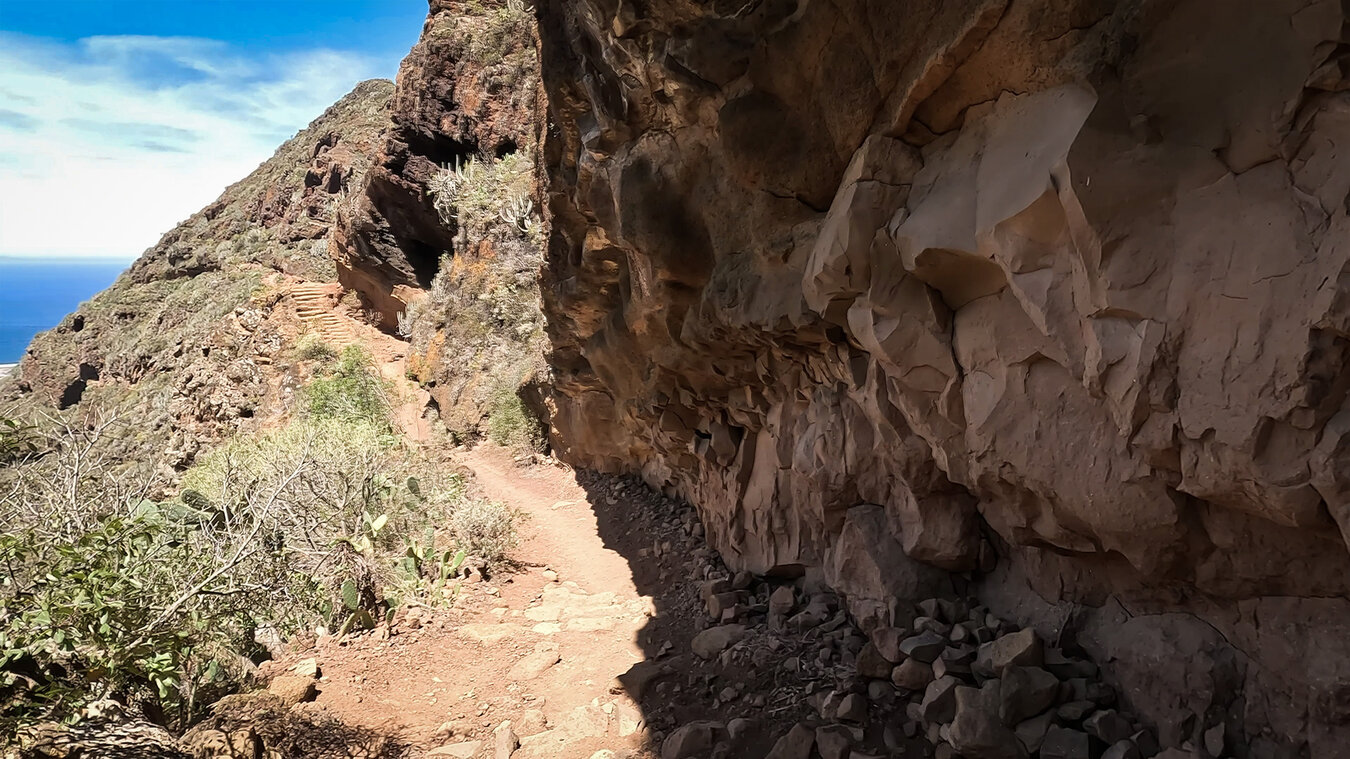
(1065, 274)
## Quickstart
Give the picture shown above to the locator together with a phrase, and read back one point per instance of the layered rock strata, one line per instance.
(1057, 286)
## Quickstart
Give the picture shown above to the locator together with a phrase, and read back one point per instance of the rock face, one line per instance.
(468, 88)
(460, 285)
(1063, 283)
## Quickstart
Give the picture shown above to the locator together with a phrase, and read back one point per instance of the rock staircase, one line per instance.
(314, 304)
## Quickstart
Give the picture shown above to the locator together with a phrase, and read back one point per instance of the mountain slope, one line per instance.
(185, 344)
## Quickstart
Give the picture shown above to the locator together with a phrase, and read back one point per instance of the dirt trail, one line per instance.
(541, 647)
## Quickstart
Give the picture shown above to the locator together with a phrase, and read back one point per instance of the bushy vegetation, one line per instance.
(510, 423)
(110, 591)
(311, 347)
(488, 198)
(351, 391)
(497, 32)
(481, 319)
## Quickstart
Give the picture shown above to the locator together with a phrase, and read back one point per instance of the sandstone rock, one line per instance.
(720, 603)
(710, 588)
(1063, 743)
(782, 601)
(504, 741)
(976, 730)
(692, 740)
(1026, 692)
(531, 722)
(1215, 738)
(532, 665)
(796, 744)
(738, 729)
(292, 689)
(946, 309)
(1021, 648)
(713, 641)
(462, 750)
(853, 708)
(307, 668)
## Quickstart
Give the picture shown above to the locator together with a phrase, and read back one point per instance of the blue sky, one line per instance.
(119, 119)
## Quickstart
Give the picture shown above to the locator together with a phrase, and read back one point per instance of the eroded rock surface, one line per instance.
(1061, 284)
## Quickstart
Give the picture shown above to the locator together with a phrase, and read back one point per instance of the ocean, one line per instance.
(36, 294)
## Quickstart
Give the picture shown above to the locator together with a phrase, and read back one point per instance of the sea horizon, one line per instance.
(37, 292)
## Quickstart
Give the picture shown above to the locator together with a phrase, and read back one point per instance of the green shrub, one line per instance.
(510, 423)
(121, 610)
(16, 440)
(486, 530)
(313, 348)
(352, 391)
(107, 594)
(488, 198)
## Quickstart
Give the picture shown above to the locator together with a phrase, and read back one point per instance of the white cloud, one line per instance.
(108, 143)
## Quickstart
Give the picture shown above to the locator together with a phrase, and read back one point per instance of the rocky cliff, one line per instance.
(456, 272)
(1056, 291)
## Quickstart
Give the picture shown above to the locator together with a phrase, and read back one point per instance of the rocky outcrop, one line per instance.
(468, 88)
(1060, 285)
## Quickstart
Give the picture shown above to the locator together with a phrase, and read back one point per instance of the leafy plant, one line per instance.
(311, 347)
(351, 391)
(510, 423)
(486, 530)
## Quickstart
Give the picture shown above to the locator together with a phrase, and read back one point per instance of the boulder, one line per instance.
(796, 744)
(1063, 743)
(692, 740)
(1021, 648)
(1026, 692)
(714, 640)
(939, 701)
(976, 730)
(912, 674)
(292, 689)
